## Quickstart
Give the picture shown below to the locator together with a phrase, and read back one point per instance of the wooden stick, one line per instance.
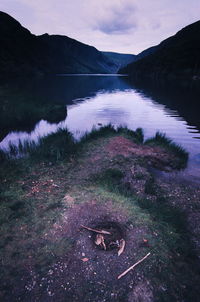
(130, 268)
(96, 231)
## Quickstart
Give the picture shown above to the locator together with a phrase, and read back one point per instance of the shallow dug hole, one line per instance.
(86, 272)
(112, 241)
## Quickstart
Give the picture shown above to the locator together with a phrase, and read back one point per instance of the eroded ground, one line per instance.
(47, 256)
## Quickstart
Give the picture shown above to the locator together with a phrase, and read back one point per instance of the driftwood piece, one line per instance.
(96, 231)
(130, 268)
(121, 246)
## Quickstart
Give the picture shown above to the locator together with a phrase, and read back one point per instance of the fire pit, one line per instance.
(114, 237)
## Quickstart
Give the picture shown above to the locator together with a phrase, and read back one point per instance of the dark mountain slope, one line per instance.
(175, 57)
(24, 53)
(120, 59)
(146, 52)
(67, 55)
(18, 47)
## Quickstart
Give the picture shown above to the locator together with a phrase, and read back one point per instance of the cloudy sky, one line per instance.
(127, 26)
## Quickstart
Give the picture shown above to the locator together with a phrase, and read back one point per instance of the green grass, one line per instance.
(54, 147)
(25, 218)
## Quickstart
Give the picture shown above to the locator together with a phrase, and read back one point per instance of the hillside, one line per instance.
(120, 59)
(174, 58)
(24, 53)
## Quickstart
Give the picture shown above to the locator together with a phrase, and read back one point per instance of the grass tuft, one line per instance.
(137, 136)
(161, 140)
(97, 133)
(54, 147)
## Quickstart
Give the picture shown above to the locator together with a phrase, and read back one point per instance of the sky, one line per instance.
(127, 26)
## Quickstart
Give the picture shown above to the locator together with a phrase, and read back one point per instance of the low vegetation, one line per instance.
(62, 184)
(61, 145)
(161, 140)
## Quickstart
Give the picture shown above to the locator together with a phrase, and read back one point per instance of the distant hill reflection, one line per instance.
(184, 100)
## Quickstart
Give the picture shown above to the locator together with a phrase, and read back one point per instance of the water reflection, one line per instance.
(25, 102)
(184, 101)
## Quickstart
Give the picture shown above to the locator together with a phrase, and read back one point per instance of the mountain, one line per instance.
(177, 57)
(120, 59)
(146, 52)
(23, 53)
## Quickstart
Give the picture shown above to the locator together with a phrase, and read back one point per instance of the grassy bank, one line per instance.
(61, 145)
(60, 185)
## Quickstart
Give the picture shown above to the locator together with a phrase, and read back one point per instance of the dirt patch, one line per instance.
(142, 292)
(156, 156)
(89, 273)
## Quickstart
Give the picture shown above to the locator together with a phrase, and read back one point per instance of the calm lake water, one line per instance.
(99, 100)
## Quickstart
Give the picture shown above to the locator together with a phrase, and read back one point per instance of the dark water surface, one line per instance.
(34, 108)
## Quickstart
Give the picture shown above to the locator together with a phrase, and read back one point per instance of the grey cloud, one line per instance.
(115, 26)
(118, 20)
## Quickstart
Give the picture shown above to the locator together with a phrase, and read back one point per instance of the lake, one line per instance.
(92, 101)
